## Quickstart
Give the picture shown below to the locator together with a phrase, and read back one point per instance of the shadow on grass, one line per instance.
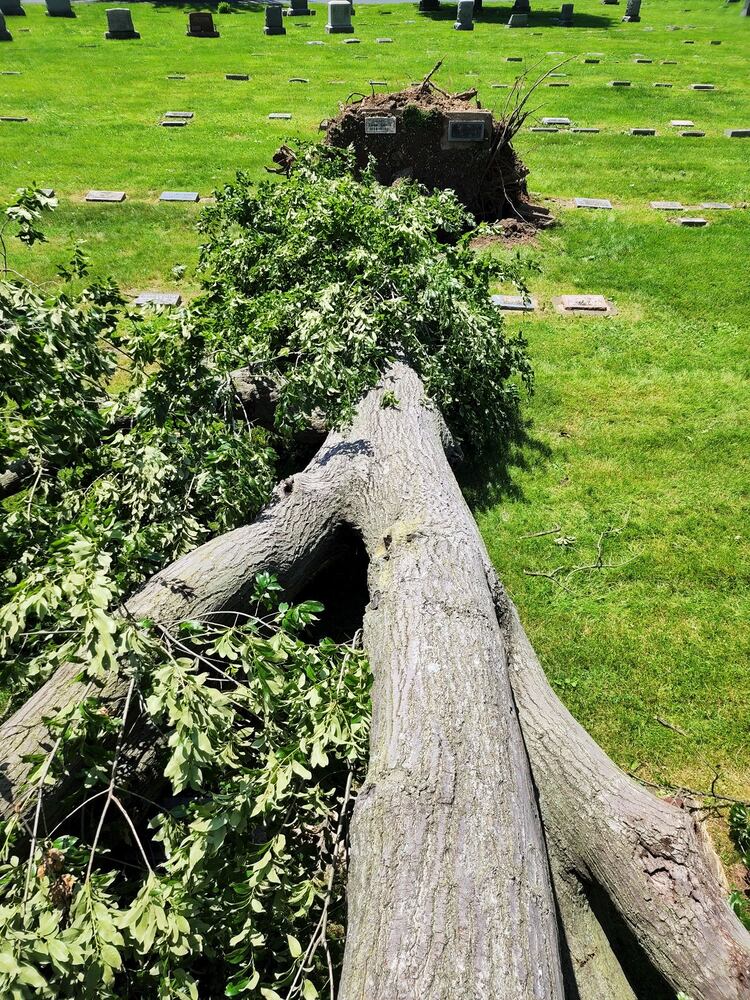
(487, 477)
(538, 19)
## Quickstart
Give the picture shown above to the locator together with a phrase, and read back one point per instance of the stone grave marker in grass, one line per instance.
(5, 36)
(13, 118)
(173, 123)
(299, 8)
(681, 123)
(585, 131)
(737, 133)
(514, 303)
(339, 18)
(236, 76)
(201, 25)
(12, 8)
(59, 8)
(384, 41)
(591, 62)
(566, 15)
(120, 24)
(187, 115)
(693, 134)
(584, 305)
(315, 43)
(559, 83)
(668, 206)
(593, 203)
(664, 86)
(703, 86)
(695, 222)
(274, 23)
(105, 196)
(352, 41)
(632, 11)
(514, 59)
(555, 121)
(283, 116)
(172, 196)
(298, 79)
(464, 16)
(518, 21)
(619, 83)
(176, 76)
(545, 128)
(717, 206)
(158, 299)
(643, 131)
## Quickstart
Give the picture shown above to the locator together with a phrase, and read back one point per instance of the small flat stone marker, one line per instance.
(13, 118)
(693, 134)
(593, 203)
(619, 83)
(681, 123)
(703, 86)
(513, 303)
(173, 123)
(514, 58)
(158, 299)
(662, 84)
(644, 61)
(350, 41)
(280, 116)
(558, 83)
(176, 76)
(692, 223)
(298, 79)
(555, 121)
(668, 206)
(384, 41)
(669, 62)
(586, 131)
(591, 305)
(643, 131)
(187, 115)
(539, 128)
(717, 206)
(236, 76)
(179, 196)
(105, 196)
(499, 86)
(315, 43)
(737, 133)
(591, 62)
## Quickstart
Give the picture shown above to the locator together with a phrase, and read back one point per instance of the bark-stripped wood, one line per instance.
(450, 894)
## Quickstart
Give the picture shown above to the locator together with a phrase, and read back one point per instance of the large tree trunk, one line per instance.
(450, 892)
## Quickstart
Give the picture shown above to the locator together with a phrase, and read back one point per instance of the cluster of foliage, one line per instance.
(739, 829)
(132, 447)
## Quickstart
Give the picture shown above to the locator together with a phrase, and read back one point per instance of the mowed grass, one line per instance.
(639, 424)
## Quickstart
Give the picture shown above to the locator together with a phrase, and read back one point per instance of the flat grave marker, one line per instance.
(737, 133)
(643, 131)
(556, 121)
(236, 76)
(280, 116)
(693, 134)
(105, 196)
(514, 303)
(593, 203)
(692, 223)
(158, 299)
(584, 305)
(191, 196)
(187, 115)
(703, 86)
(681, 123)
(619, 83)
(586, 131)
(13, 118)
(717, 206)
(668, 206)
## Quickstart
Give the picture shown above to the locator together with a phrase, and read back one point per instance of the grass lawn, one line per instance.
(639, 422)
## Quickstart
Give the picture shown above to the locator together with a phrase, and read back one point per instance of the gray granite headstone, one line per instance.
(158, 299)
(59, 8)
(546, 128)
(5, 35)
(643, 131)
(717, 206)
(120, 23)
(566, 15)
(693, 134)
(668, 206)
(201, 25)
(555, 121)
(737, 133)
(666, 86)
(703, 86)
(464, 16)
(339, 18)
(236, 76)
(179, 196)
(12, 8)
(274, 20)
(518, 21)
(108, 196)
(692, 223)
(633, 11)
(593, 203)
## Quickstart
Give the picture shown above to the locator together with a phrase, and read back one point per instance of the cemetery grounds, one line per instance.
(637, 437)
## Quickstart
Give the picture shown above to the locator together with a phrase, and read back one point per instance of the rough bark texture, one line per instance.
(449, 891)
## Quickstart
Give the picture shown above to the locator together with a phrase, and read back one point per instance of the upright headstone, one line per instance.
(518, 21)
(299, 8)
(120, 23)
(5, 35)
(746, 9)
(12, 8)
(59, 8)
(566, 15)
(428, 6)
(521, 7)
(465, 16)
(339, 18)
(633, 11)
(274, 20)
(201, 25)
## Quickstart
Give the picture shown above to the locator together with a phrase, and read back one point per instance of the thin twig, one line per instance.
(540, 534)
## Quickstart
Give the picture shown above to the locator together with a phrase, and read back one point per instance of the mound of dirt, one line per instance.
(443, 141)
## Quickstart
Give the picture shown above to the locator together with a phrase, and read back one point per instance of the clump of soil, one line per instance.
(487, 175)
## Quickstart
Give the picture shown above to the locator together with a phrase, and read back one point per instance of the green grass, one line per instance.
(639, 422)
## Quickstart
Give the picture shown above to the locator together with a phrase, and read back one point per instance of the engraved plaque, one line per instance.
(466, 130)
(385, 125)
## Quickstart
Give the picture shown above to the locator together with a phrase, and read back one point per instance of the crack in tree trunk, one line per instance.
(479, 778)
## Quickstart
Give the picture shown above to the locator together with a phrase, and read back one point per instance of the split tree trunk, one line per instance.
(450, 893)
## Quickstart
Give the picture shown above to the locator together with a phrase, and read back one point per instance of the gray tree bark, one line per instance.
(450, 891)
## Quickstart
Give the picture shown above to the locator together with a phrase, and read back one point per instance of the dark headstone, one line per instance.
(693, 223)
(12, 8)
(643, 131)
(201, 25)
(633, 11)
(236, 76)
(566, 15)
(299, 8)
(59, 8)
(5, 35)
(737, 133)
(120, 24)
(428, 6)
(274, 20)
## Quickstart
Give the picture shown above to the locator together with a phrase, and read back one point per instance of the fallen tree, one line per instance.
(495, 850)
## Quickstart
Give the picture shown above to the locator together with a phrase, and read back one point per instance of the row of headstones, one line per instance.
(55, 8)
(519, 16)
(466, 9)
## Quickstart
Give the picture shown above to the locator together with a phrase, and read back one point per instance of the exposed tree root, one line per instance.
(450, 892)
